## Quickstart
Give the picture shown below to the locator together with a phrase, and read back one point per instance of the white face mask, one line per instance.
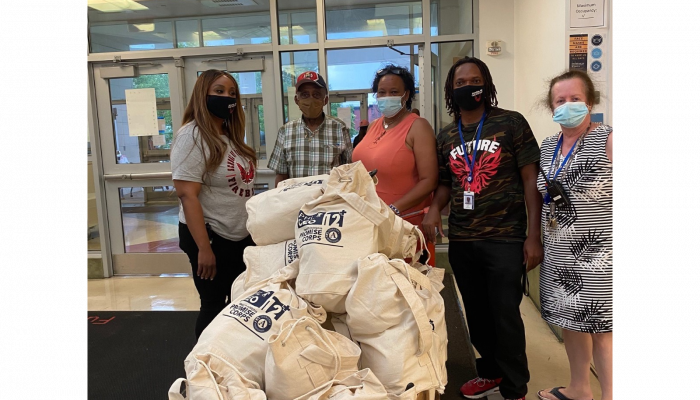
(389, 105)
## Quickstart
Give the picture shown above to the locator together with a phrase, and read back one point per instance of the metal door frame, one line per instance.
(342, 96)
(237, 63)
(115, 176)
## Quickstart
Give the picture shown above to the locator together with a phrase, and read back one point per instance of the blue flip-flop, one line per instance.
(555, 392)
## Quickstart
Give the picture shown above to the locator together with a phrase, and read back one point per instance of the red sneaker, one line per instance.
(479, 387)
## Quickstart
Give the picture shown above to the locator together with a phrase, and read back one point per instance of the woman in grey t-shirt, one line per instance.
(213, 171)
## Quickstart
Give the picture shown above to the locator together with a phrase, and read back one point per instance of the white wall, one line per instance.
(496, 22)
(540, 42)
(534, 38)
(609, 98)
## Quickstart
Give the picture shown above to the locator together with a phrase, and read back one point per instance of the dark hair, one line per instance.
(234, 130)
(406, 76)
(489, 87)
(588, 87)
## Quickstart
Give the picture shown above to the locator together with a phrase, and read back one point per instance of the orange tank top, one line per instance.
(387, 152)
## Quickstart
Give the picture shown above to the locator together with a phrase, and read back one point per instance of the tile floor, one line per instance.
(546, 356)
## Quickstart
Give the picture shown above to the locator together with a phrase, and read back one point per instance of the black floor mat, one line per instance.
(138, 355)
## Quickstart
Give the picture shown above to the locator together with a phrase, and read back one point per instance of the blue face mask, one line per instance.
(570, 115)
(389, 106)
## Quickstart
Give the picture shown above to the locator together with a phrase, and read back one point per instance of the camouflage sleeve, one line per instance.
(524, 143)
(444, 176)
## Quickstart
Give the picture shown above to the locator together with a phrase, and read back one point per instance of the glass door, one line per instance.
(349, 107)
(257, 87)
(139, 107)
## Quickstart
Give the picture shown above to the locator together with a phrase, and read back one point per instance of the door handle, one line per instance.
(137, 177)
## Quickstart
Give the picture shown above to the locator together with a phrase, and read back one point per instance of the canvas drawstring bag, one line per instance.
(263, 261)
(214, 378)
(394, 313)
(304, 356)
(272, 214)
(240, 332)
(347, 222)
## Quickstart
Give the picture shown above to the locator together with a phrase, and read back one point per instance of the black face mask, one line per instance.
(221, 106)
(469, 97)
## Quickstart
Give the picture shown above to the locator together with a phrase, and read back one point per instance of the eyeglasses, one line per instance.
(395, 71)
(315, 95)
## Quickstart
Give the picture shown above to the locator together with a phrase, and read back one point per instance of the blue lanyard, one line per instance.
(471, 162)
(554, 156)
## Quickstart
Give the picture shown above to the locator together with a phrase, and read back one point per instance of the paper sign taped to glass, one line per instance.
(141, 112)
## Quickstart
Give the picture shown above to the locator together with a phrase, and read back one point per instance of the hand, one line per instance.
(431, 221)
(206, 264)
(533, 252)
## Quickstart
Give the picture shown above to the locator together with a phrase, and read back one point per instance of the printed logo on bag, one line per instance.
(292, 252)
(333, 235)
(321, 218)
(328, 219)
(259, 298)
(262, 323)
(296, 185)
(261, 301)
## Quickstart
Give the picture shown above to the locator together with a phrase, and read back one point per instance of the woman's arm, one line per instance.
(188, 192)
(421, 140)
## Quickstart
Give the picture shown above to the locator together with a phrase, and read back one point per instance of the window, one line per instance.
(297, 21)
(372, 20)
(293, 64)
(450, 17)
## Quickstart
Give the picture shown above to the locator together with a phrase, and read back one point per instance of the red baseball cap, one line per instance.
(311, 77)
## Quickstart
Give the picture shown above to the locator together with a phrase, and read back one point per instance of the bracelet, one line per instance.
(394, 209)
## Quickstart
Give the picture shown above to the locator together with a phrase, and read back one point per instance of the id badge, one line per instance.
(468, 200)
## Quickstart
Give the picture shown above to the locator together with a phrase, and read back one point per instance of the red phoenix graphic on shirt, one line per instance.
(486, 167)
(248, 175)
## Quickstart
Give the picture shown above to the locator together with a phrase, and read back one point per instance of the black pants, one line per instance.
(214, 294)
(489, 275)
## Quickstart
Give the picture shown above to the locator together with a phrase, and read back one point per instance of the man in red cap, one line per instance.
(315, 143)
(364, 124)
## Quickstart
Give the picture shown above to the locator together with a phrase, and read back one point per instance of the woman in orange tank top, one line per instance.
(400, 145)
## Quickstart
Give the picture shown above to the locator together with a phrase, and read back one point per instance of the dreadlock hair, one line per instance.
(489, 87)
(234, 127)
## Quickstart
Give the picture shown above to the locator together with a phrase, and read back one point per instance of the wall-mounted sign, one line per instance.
(585, 14)
(578, 52)
(493, 47)
(598, 59)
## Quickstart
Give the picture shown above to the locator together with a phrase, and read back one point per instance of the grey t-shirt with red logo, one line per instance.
(226, 190)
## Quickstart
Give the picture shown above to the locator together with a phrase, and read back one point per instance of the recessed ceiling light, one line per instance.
(115, 5)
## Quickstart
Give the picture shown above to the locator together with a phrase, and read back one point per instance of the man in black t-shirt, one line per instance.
(488, 162)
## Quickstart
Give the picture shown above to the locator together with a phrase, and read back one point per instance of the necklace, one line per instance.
(380, 136)
(394, 119)
(386, 124)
